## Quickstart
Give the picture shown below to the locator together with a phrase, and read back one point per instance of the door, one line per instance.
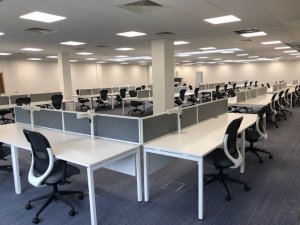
(2, 90)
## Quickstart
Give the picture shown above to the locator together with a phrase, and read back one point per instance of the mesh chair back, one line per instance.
(225, 88)
(250, 83)
(182, 94)
(255, 84)
(143, 87)
(103, 95)
(245, 85)
(57, 101)
(268, 85)
(260, 122)
(190, 87)
(231, 93)
(132, 93)
(233, 86)
(138, 89)
(217, 88)
(196, 92)
(21, 101)
(123, 92)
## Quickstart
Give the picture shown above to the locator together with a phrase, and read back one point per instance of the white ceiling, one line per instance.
(97, 21)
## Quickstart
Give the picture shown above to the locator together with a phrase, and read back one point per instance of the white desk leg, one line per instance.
(112, 102)
(146, 185)
(91, 187)
(16, 169)
(138, 175)
(291, 103)
(200, 189)
(242, 169)
(123, 106)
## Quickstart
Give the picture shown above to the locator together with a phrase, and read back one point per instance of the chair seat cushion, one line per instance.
(58, 175)
(5, 151)
(252, 136)
(218, 159)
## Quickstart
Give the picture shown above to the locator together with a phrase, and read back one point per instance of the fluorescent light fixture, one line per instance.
(207, 48)
(284, 47)
(124, 63)
(84, 53)
(131, 34)
(186, 61)
(254, 34)
(253, 57)
(183, 55)
(223, 19)
(202, 57)
(242, 54)
(227, 52)
(298, 56)
(42, 17)
(5, 53)
(181, 42)
(296, 53)
(124, 49)
(211, 62)
(51, 57)
(72, 43)
(290, 51)
(32, 49)
(73, 60)
(271, 42)
(35, 59)
(121, 56)
(1, 33)
(91, 59)
(101, 62)
(217, 59)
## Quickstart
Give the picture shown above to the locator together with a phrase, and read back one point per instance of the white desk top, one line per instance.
(202, 138)
(259, 101)
(75, 148)
(10, 106)
(138, 99)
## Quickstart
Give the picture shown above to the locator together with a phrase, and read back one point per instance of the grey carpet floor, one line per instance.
(274, 197)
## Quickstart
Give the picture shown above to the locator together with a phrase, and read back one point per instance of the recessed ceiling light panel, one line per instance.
(72, 43)
(181, 42)
(131, 34)
(5, 53)
(42, 17)
(51, 57)
(283, 47)
(124, 49)
(35, 59)
(250, 32)
(223, 19)
(84, 53)
(1, 33)
(271, 42)
(32, 49)
(207, 48)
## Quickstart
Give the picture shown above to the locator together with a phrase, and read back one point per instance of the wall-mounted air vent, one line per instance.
(141, 6)
(39, 30)
(247, 31)
(164, 33)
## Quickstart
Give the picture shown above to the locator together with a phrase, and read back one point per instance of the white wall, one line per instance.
(22, 76)
(263, 72)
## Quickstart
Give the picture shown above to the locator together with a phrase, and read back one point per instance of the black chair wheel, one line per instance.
(55, 199)
(228, 198)
(35, 220)
(261, 161)
(270, 157)
(80, 196)
(247, 188)
(28, 206)
(72, 213)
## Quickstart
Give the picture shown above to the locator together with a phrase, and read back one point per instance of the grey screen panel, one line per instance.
(253, 93)
(115, 89)
(125, 129)
(275, 87)
(131, 88)
(22, 116)
(279, 86)
(143, 94)
(241, 96)
(212, 109)
(13, 98)
(73, 124)
(109, 90)
(202, 86)
(85, 92)
(48, 118)
(157, 126)
(264, 90)
(96, 91)
(151, 93)
(4, 100)
(189, 116)
(211, 86)
(124, 88)
(150, 86)
(42, 96)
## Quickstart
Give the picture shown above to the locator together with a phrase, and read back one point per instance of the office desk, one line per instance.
(78, 149)
(111, 96)
(195, 142)
(11, 106)
(259, 101)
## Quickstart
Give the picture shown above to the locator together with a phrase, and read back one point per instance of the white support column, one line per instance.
(64, 71)
(163, 75)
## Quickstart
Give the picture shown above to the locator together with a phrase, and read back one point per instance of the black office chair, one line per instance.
(3, 113)
(228, 157)
(21, 101)
(279, 107)
(271, 111)
(250, 84)
(234, 87)
(256, 133)
(120, 96)
(136, 104)
(195, 97)
(102, 100)
(190, 87)
(82, 101)
(245, 85)
(224, 92)
(268, 85)
(181, 98)
(255, 83)
(138, 89)
(4, 151)
(262, 85)
(56, 101)
(46, 171)
(143, 87)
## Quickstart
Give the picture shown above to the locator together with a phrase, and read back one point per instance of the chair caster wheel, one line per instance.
(35, 220)
(228, 198)
(28, 206)
(247, 188)
(260, 161)
(270, 157)
(80, 196)
(72, 213)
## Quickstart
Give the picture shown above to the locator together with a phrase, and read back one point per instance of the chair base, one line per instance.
(136, 110)
(54, 195)
(255, 151)
(222, 178)
(81, 107)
